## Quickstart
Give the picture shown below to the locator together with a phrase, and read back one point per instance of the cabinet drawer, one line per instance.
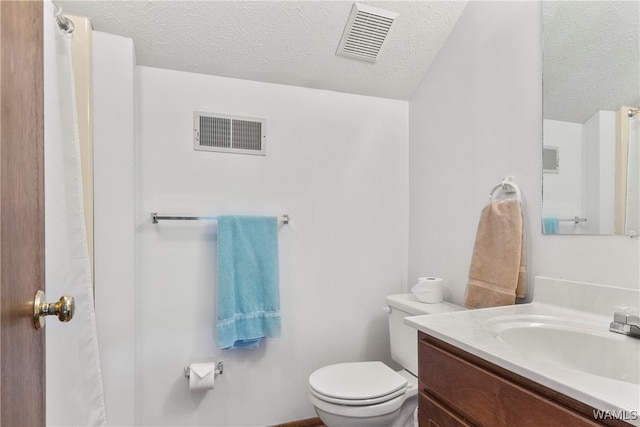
(433, 414)
(486, 399)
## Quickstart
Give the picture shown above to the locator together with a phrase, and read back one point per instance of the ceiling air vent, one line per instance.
(366, 30)
(229, 134)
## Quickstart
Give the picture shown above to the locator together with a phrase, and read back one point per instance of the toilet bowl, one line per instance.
(363, 394)
(371, 394)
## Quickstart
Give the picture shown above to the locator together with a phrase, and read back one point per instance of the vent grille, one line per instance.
(215, 132)
(550, 159)
(365, 32)
(230, 134)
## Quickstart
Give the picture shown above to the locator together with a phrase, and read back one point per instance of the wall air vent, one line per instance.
(366, 30)
(550, 159)
(229, 134)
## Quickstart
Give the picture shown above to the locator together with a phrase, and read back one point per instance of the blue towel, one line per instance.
(248, 299)
(550, 225)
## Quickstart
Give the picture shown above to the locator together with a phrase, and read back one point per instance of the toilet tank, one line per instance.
(403, 338)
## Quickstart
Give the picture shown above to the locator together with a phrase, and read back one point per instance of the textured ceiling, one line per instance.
(287, 42)
(591, 48)
(591, 57)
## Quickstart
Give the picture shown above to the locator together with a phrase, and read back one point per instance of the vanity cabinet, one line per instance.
(460, 389)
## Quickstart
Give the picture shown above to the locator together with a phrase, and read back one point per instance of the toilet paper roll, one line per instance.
(202, 376)
(428, 289)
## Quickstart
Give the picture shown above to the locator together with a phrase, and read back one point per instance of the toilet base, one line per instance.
(402, 417)
(333, 420)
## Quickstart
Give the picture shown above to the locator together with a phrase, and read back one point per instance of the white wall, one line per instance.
(476, 118)
(599, 145)
(563, 196)
(584, 186)
(337, 164)
(591, 171)
(331, 159)
(114, 202)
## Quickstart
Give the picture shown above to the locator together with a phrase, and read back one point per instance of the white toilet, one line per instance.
(371, 394)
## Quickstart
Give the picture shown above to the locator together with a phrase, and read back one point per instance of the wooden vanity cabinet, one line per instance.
(460, 389)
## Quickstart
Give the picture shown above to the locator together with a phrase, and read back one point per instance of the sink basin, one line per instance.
(560, 340)
(583, 347)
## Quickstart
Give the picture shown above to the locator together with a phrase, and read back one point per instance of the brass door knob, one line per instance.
(64, 309)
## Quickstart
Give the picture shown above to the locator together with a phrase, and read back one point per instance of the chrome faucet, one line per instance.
(625, 323)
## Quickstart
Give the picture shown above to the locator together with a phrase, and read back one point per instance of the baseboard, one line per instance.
(309, 422)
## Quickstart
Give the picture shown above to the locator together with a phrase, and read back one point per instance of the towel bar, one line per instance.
(575, 219)
(155, 218)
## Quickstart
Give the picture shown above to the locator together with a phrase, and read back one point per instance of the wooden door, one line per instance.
(22, 357)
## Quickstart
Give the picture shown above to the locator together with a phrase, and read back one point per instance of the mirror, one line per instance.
(591, 111)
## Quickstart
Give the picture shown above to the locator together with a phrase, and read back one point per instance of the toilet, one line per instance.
(371, 394)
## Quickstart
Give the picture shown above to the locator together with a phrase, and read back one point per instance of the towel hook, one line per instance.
(507, 186)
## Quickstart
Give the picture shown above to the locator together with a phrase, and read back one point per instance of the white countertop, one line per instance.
(468, 331)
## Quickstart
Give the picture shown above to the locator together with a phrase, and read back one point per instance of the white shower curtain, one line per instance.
(74, 380)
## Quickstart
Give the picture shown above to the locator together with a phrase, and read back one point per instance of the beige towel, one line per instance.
(497, 273)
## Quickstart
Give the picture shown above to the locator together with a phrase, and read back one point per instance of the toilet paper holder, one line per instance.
(219, 370)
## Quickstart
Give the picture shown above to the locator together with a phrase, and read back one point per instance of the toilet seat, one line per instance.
(357, 384)
(379, 409)
(359, 402)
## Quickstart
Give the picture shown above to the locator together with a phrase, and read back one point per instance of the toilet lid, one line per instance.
(356, 381)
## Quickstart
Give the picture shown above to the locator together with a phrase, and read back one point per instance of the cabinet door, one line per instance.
(486, 399)
(432, 414)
